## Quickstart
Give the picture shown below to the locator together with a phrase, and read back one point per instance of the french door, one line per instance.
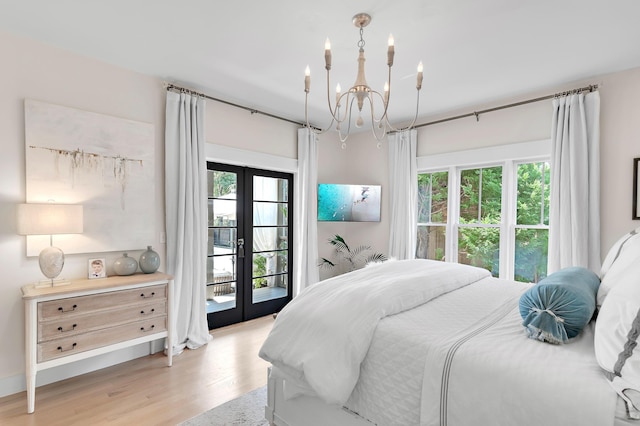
(250, 228)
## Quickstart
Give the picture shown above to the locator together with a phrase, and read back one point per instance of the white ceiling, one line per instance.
(254, 52)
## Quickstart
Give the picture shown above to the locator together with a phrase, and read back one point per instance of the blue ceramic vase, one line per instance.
(149, 261)
(125, 265)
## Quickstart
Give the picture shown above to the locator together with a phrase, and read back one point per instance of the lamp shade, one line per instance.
(50, 219)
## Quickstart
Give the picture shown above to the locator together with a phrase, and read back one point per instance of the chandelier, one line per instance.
(360, 93)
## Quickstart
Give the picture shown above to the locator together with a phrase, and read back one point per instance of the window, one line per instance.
(432, 215)
(532, 222)
(493, 215)
(480, 218)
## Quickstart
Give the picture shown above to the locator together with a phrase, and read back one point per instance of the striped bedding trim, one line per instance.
(631, 234)
(623, 356)
(629, 346)
(488, 322)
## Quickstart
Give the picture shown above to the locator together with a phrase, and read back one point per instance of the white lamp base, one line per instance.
(51, 262)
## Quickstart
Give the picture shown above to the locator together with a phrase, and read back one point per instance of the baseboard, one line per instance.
(15, 384)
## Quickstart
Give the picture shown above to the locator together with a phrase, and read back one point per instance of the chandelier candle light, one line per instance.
(359, 92)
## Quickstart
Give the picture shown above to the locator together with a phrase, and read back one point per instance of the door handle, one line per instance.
(240, 247)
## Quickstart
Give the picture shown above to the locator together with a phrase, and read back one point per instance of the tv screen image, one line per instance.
(348, 203)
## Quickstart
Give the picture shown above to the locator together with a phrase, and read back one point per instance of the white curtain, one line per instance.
(403, 194)
(574, 217)
(186, 217)
(306, 212)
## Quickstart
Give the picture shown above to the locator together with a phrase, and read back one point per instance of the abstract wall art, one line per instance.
(103, 162)
(348, 203)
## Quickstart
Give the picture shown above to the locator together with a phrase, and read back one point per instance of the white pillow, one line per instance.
(617, 333)
(624, 252)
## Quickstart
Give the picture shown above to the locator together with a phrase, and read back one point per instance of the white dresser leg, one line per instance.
(31, 393)
(31, 333)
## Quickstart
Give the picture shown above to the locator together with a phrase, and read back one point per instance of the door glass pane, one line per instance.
(480, 247)
(431, 242)
(262, 292)
(222, 239)
(531, 254)
(222, 212)
(270, 238)
(270, 214)
(221, 283)
(270, 189)
(220, 184)
(268, 270)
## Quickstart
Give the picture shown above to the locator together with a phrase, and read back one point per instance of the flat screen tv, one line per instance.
(348, 203)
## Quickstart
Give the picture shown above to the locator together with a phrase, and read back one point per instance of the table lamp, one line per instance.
(50, 219)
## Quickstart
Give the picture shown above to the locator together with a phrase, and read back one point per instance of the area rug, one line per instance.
(246, 410)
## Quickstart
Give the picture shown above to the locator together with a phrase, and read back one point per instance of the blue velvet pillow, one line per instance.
(560, 305)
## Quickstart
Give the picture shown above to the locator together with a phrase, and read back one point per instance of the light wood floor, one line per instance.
(147, 392)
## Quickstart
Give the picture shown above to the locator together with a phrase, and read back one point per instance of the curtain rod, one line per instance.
(476, 114)
(170, 86)
(589, 88)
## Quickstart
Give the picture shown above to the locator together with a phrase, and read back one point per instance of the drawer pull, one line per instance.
(62, 330)
(150, 312)
(73, 308)
(144, 330)
(66, 350)
(153, 293)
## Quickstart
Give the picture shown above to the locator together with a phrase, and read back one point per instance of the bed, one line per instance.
(420, 342)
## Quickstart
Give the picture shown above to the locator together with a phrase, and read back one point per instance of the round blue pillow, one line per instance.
(560, 305)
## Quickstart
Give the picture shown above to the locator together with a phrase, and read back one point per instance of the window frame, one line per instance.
(509, 157)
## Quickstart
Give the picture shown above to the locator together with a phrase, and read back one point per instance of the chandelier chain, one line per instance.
(361, 42)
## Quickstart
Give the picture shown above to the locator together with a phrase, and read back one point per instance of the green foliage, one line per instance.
(432, 197)
(259, 269)
(481, 195)
(531, 254)
(432, 209)
(223, 183)
(353, 257)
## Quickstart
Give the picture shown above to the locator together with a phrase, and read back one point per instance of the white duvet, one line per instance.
(340, 315)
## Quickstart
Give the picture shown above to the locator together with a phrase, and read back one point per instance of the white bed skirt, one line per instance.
(305, 410)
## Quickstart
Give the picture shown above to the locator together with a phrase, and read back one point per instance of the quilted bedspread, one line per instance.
(323, 335)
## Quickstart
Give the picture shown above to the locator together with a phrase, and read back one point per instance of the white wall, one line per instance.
(37, 71)
(234, 127)
(620, 143)
(360, 163)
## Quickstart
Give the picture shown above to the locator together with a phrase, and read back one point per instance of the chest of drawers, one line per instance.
(91, 317)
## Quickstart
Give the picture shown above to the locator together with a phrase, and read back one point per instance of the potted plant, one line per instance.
(353, 257)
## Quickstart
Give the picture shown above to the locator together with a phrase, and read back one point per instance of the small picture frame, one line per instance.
(636, 189)
(97, 268)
